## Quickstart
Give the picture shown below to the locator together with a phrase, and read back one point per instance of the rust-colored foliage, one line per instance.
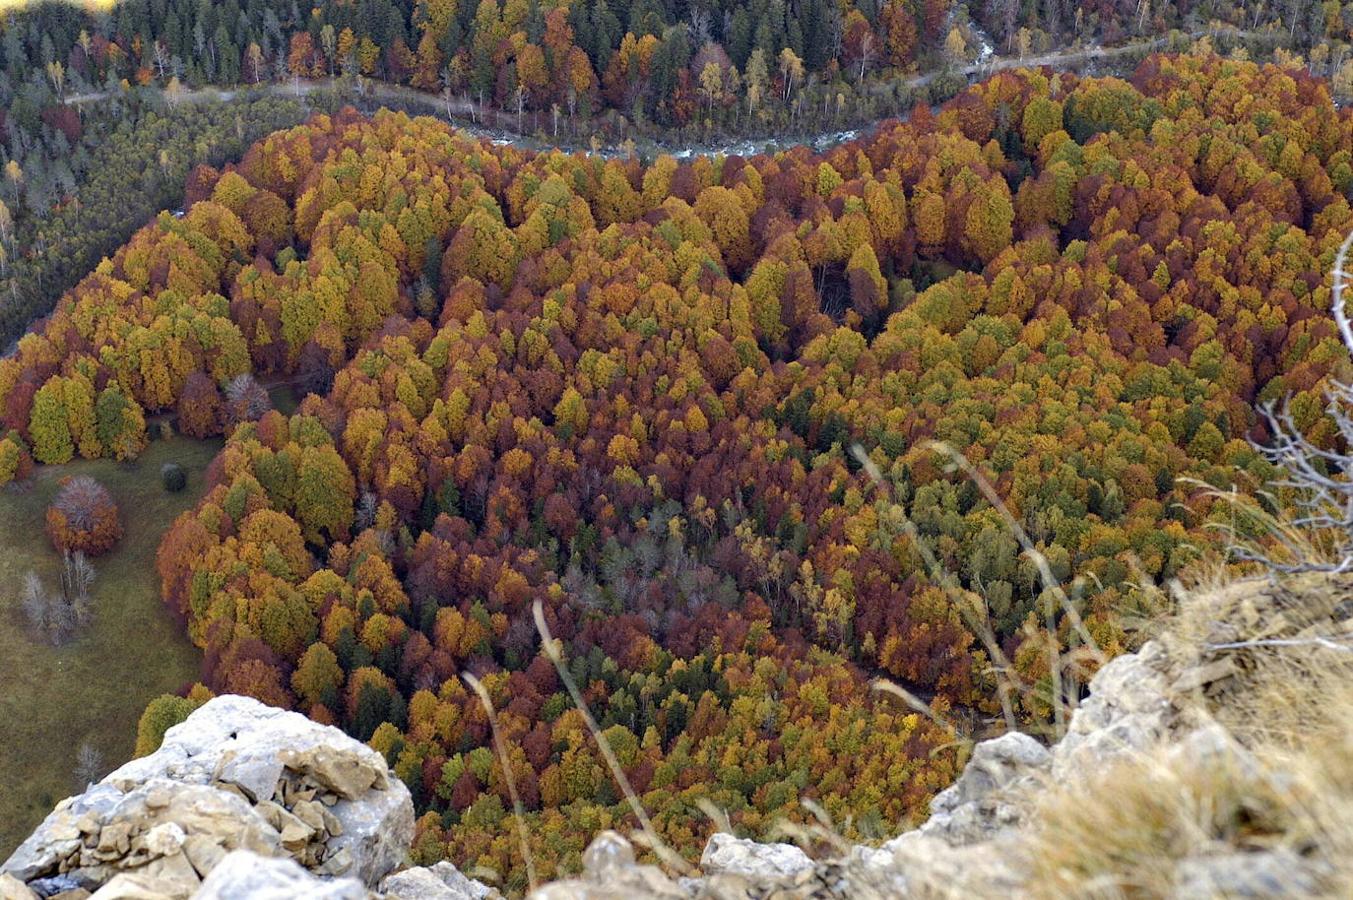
(83, 517)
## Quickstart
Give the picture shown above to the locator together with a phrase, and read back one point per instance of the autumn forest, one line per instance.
(735, 425)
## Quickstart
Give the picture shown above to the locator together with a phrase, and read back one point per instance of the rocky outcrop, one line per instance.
(1129, 709)
(440, 882)
(244, 875)
(726, 853)
(237, 777)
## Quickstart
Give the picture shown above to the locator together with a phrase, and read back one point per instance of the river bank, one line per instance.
(606, 137)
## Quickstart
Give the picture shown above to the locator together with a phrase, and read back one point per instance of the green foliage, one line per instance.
(173, 477)
(162, 713)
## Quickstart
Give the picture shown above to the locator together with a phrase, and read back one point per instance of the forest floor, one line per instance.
(91, 690)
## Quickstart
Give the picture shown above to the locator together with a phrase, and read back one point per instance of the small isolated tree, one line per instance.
(161, 714)
(37, 604)
(83, 517)
(77, 578)
(173, 477)
(88, 766)
(246, 399)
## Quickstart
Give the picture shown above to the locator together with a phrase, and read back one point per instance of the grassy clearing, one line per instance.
(93, 689)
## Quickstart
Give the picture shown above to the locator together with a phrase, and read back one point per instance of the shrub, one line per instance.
(83, 517)
(173, 477)
(161, 714)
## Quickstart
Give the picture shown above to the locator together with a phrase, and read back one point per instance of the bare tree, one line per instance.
(868, 51)
(77, 577)
(89, 766)
(161, 60)
(699, 27)
(248, 400)
(1295, 11)
(56, 616)
(34, 600)
(1316, 533)
(80, 500)
(366, 510)
(49, 614)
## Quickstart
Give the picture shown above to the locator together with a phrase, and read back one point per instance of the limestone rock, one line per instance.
(440, 882)
(977, 805)
(609, 852)
(1212, 747)
(138, 886)
(242, 742)
(57, 837)
(12, 888)
(726, 853)
(609, 873)
(920, 865)
(165, 839)
(1128, 709)
(1241, 876)
(347, 775)
(236, 775)
(247, 876)
(149, 821)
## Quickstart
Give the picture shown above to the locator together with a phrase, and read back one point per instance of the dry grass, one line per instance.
(1285, 785)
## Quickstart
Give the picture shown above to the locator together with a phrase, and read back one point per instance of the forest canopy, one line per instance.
(630, 393)
(660, 60)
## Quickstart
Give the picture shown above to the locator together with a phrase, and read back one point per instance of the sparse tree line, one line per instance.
(57, 614)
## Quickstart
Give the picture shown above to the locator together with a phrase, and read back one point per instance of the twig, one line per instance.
(1325, 643)
(501, 746)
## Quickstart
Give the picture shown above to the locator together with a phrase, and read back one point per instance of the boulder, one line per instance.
(982, 802)
(12, 888)
(1128, 710)
(236, 775)
(117, 831)
(726, 853)
(920, 865)
(610, 873)
(137, 886)
(440, 882)
(247, 876)
(240, 742)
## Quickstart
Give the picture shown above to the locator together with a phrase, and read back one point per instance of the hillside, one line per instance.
(718, 419)
(1212, 763)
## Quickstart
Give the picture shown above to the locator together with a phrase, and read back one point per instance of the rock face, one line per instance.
(974, 808)
(314, 785)
(726, 853)
(1128, 709)
(236, 777)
